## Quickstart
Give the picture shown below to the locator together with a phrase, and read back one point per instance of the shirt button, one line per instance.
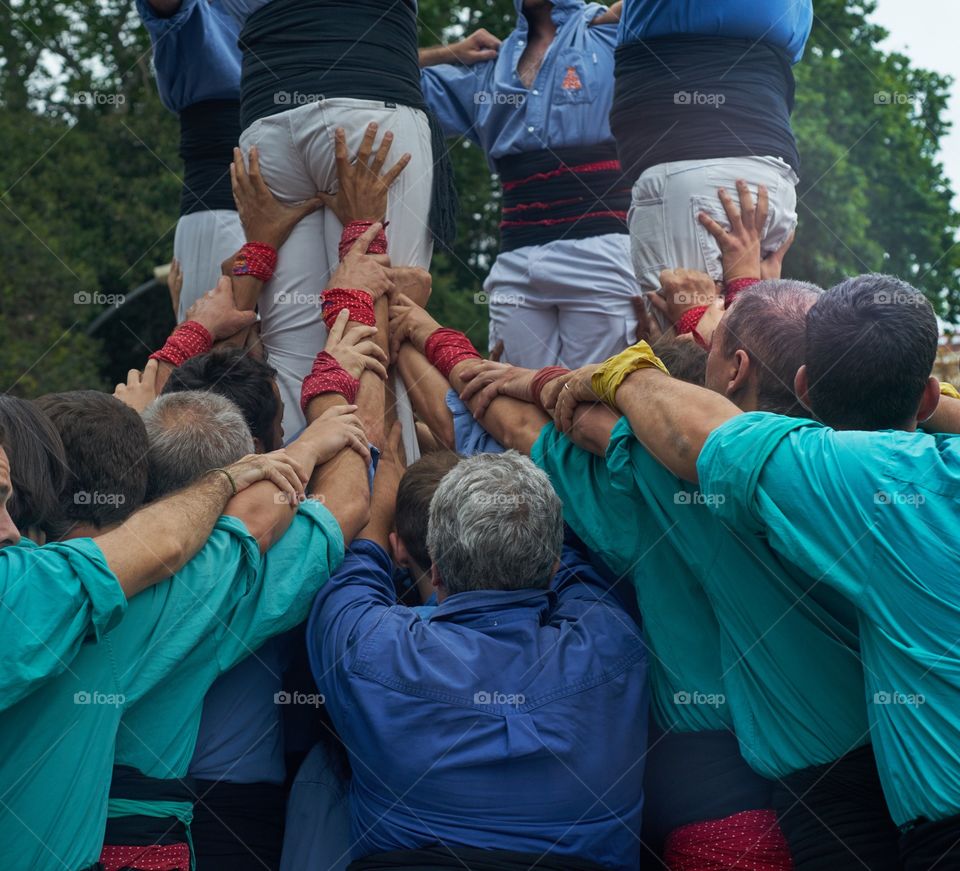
(536, 93)
(530, 130)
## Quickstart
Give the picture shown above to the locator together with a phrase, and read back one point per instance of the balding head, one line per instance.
(191, 433)
(759, 346)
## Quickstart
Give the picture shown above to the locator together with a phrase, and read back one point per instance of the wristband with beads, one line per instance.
(732, 288)
(189, 339)
(445, 348)
(543, 377)
(328, 376)
(256, 259)
(358, 302)
(354, 230)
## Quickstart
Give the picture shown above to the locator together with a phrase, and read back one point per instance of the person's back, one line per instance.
(533, 697)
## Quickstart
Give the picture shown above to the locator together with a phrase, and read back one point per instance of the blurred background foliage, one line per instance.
(90, 181)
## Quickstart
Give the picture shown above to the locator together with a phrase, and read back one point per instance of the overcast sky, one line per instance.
(926, 31)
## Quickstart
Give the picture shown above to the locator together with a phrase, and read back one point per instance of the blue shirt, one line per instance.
(527, 709)
(489, 104)
(784, 23)
(195, 53)
(875, 516)
(469, 437)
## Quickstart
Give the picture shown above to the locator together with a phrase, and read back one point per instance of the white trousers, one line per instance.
(297, 160)
(203, 240)
(664, 230)
(565, 303)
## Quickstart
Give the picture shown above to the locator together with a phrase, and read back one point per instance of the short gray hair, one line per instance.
(191, 433)
(496, 523)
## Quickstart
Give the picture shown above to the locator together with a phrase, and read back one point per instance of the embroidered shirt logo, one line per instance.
(571, 81)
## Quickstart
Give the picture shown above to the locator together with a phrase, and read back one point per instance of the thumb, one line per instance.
(246, 319)
(310, 206)
(363, 242)
(322, 199)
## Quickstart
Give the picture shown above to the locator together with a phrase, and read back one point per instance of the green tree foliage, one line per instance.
(90, 178)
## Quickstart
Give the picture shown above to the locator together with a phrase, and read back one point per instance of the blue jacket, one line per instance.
(506, 720)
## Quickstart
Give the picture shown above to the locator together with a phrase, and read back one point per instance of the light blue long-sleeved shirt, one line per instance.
(784, 23)
(195, 53)
(567, 105)
(873, 515)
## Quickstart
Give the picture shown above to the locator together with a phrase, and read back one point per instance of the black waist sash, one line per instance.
(209, 131)
(437, 858)
(297, 52)
(129, 784)
(701, 98)
(564, 193)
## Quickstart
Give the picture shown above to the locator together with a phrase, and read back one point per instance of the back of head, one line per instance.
(38, 465)
(191, 433)
(870, 347)
(685, 359)
(106, 447)
(244, 380)
(419, 483)
(495, 524)
(768, 322)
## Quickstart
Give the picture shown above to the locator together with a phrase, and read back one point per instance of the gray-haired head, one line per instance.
(191, 433)
(496, 523)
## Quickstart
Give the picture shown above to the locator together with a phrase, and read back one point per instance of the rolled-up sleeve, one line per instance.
(52, 599)
(451, 92)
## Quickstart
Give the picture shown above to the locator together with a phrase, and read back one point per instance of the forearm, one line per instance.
(164, 371)
(437, 54)
(427, 390)
(372, 395)
(946, 418)
(340, 484)
(157, 541)
(512, 422)
(246, 291)
(671, 418)
(592, 425)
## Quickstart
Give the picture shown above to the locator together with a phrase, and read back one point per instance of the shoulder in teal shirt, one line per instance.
(617, 525)
(52, 598)
(875, 516)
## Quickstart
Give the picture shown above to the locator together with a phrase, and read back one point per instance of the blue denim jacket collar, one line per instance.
(479, 606)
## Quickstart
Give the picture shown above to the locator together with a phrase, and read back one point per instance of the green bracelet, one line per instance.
(233, 484)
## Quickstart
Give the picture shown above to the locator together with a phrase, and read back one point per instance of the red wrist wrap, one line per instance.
(445, 348)
(732, 288)
(257, 259)
(328, 376)
(354, 230)
(358, 302)
(689, 320)
(543, 377)
(188, 340)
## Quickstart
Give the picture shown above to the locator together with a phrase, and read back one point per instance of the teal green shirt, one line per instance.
(57, 744)
(158, 734)
(617, 525)
(875, 516)
(788, 645)
(52, 598)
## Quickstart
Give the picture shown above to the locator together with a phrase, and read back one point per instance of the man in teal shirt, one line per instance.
(57, 745)
(868, 514)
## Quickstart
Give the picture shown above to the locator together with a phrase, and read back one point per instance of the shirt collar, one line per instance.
(479, 605)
